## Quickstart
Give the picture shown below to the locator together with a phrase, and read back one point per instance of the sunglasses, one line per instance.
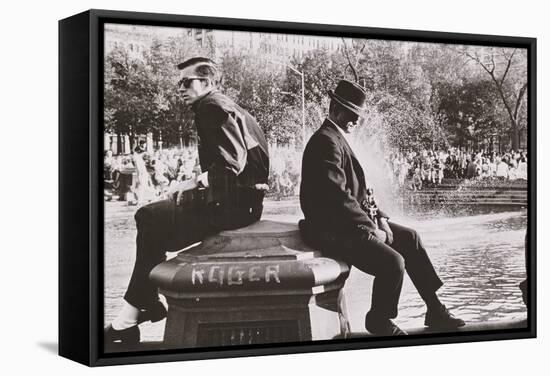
(186, 81)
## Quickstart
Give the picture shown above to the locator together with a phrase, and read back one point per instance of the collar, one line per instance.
(346, 136)
(195, 105)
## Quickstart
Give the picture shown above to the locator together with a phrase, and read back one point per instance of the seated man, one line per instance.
(343, 220)
(235, 163)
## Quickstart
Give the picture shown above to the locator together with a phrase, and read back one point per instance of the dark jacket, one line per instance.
(333, 186)
(232, 148)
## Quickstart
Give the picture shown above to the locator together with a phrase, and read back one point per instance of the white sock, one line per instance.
(127, 317)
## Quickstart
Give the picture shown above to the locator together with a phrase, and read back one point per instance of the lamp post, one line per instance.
(301, 74)
(303, 103)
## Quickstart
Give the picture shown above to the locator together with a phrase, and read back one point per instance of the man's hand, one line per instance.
(202, 180)
(176, 193)
(380, 235)
(385, 227)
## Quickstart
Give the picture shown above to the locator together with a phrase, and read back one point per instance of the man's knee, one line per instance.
(406, 235)
(389, 264)
(395, 264)
(143, 215)
(414, 235)
(155, 212)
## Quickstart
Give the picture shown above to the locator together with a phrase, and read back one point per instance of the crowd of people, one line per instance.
(415, 170)
(284, 171)
(145, 176)
(170, 166)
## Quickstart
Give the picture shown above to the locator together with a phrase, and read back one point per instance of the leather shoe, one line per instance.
(382, 326)
(155, 313)
(441, 318)
(129, 336)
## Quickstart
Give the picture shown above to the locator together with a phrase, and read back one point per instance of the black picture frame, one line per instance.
(80, 193)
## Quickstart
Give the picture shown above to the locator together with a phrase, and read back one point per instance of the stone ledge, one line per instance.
(264, 256)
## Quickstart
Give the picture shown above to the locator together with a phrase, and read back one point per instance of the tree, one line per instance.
(507, 69)
(469, 111)
(257, 86)
(141, 94)
(399, 92)
(125, 91)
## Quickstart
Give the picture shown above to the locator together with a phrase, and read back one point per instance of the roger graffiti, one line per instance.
(235, 275)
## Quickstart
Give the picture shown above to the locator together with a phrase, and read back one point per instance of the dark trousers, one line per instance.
(164, 227)
(387, 264)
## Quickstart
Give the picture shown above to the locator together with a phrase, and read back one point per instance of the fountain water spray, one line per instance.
(370, 145)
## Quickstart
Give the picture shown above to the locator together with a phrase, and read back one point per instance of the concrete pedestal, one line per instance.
(259, 284)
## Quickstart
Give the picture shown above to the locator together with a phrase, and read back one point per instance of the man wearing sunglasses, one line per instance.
(227, 195)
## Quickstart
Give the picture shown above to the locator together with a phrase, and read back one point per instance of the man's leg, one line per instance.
(418, 265)
(420, 269)
(162, 227)
(387, 266)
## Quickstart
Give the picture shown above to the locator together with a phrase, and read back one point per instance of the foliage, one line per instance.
(507, 70)
(419, 94)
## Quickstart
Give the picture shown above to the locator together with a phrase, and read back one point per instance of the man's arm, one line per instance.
(224, 139)
(330, 175)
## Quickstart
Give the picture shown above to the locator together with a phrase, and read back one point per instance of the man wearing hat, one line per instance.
(343, 220)
(227, 195)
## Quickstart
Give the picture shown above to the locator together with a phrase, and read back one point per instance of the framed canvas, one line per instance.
(234, 187)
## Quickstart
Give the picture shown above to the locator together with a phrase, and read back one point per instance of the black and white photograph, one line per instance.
(274, 188)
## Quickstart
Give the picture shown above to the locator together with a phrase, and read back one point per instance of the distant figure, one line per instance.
(403, 171)
(124, 178)
(522, 169)
(523, 286)
(492, 167)
(108, 169)
(485, 168)
(285, 184)
(501, 169)
(141, 147)
(437, 175)
(144, 189)
(471, 169)
(426, 170)
(417, 180)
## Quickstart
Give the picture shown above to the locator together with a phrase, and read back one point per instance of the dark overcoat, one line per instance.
(333, 186)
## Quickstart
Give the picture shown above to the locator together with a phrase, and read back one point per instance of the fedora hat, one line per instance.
(351, 96)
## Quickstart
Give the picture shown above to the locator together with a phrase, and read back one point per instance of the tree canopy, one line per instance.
(419, 94)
